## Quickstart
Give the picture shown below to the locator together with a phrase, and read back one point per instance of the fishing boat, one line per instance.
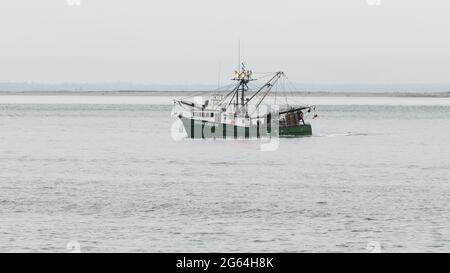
(243, 111)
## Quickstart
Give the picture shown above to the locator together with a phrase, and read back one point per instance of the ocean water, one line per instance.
(103, 174)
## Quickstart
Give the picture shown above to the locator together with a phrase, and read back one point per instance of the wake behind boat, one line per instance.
(243, 112)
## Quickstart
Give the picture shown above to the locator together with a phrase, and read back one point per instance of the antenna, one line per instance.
(239, 56)
(218, 78)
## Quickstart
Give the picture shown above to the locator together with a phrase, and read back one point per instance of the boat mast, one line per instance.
(238, 75)
(244, 85)
(243, 77)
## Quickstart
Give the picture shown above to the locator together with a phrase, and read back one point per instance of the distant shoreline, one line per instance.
(193, 93)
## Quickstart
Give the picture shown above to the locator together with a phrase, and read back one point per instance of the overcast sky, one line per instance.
(189, 41)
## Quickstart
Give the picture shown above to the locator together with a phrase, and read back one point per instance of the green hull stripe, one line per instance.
(203, 129)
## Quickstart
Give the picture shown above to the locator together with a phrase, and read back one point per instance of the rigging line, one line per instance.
(226, 96)
(293, 93)
(206, 92)
(195, 93)
(264, 77)
(219, 92)
(276, 92)
(284, 87)
(267, 84)
(268, 89)
(222, 88)
(253, 87)
(275, 98)
(259, 72)
(262, 74)
(234, 94)
(252, 84)
(284, 90)
(292, 84)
